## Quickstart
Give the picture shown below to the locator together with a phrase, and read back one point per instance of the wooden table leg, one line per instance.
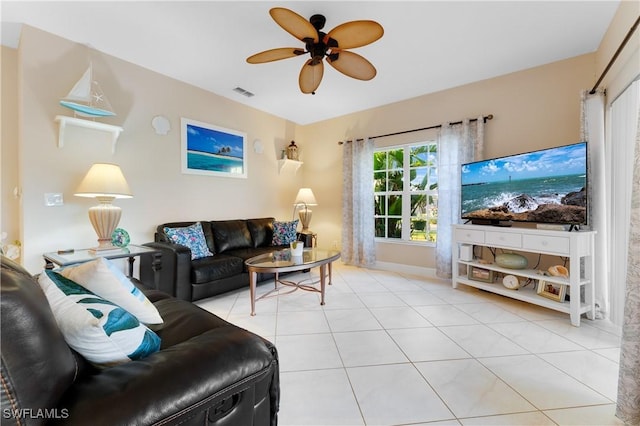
(330, 273)
(323, 272)
(252, 290)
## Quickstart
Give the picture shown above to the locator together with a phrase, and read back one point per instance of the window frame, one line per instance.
(406, 193)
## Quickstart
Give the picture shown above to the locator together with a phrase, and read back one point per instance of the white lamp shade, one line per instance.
(104, 180)
(305, 196)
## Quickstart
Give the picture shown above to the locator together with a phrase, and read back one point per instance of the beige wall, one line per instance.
(10, 218)
(533, 109)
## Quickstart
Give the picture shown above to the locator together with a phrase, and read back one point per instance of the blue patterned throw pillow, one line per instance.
(99, 330)
(284, 232)
(192, 237)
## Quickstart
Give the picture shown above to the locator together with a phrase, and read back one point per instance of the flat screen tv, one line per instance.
(545, 186)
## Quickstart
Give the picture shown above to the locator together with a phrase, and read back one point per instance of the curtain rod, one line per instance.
(437, 126)
(615, 55)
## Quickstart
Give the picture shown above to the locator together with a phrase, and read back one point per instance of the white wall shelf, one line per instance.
(64, 121)
(288, 165)
(577, 246)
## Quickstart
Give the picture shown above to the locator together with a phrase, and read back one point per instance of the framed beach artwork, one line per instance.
(212, 150)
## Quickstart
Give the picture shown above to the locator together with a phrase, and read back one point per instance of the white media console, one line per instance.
(577, 246)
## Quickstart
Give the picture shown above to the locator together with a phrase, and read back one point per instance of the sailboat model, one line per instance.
(86, 98)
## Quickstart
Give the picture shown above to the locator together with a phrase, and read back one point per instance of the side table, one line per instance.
(85, 255)
(310, 239)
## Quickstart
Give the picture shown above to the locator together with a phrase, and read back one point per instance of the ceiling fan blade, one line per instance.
(352, 65)
(274, 55)
(356, 33)
(311, 76)
(294, 24)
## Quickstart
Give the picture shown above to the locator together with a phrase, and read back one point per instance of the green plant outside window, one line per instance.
(406, 192)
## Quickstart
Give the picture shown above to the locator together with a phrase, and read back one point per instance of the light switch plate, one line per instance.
(52, 199)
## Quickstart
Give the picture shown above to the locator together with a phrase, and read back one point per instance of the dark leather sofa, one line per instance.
(207, 372)
(232, 242)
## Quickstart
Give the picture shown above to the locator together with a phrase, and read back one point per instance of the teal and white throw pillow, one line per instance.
(192, 237)
(105, 279)
(101, 331)
(284, 232)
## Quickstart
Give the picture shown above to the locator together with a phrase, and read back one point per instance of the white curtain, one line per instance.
(358, 236)
(592, 129)
(457, 144)
(628, 403)
(623, 119)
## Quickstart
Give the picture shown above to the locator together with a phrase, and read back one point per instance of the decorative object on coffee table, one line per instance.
(296, 248)
(105, 182)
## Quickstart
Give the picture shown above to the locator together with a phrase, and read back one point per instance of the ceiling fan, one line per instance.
(320, 45)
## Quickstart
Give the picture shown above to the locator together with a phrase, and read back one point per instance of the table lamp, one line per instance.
(106, 183)
(305, 198)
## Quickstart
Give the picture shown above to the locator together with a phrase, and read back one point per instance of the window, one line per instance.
(406, 192)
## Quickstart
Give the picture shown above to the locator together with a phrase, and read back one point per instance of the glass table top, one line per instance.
(282, 259)
(83, 255)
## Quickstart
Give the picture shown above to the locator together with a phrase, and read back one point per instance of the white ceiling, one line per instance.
(428, 46)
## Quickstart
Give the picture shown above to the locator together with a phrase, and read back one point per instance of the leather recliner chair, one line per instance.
(207, 372)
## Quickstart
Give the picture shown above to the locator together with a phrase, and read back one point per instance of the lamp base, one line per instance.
(305, 219)
(104, 218)
(106, 248)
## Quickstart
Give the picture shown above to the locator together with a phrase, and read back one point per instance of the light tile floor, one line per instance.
(390, 349)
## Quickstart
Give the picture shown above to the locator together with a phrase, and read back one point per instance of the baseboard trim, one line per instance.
(419, 271)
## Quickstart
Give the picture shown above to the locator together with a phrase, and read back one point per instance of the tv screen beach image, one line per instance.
(542, 186)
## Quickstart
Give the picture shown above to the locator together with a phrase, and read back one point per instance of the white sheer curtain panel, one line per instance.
(358, 237)
(457, 144)
(628, 402)
(592, 129)
(623, 117)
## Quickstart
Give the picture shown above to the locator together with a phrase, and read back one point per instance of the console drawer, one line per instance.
(547, 244)
(503, 239)
(474, 236)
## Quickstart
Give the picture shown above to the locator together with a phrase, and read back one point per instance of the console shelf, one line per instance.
(577, 246)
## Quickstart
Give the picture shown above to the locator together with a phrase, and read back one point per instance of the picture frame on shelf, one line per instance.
(480, 274)
(211, 150)
(551, 291)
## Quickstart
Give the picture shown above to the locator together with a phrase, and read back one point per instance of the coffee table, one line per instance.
(282, 261)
